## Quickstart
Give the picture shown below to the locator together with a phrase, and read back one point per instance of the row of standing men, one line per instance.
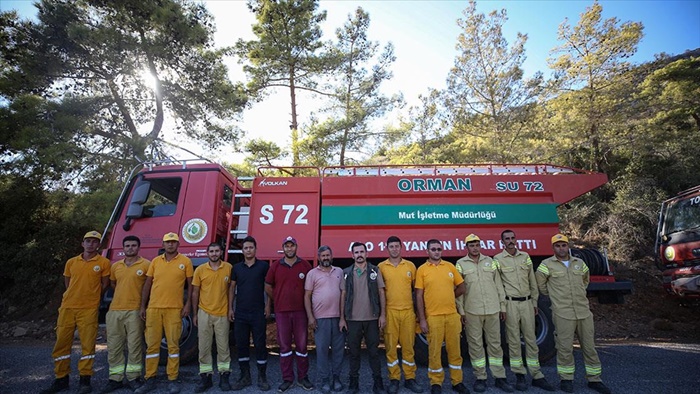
(338, 305)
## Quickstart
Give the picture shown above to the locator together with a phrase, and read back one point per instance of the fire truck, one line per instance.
(336, 206)
(677, 245)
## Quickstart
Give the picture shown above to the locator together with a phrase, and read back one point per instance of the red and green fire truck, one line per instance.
(336, 206)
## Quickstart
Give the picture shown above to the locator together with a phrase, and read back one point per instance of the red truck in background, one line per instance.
(336, 206)
(677, 245)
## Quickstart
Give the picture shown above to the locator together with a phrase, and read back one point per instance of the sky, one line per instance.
(424, 34)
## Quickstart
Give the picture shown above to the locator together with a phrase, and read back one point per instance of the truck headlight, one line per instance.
(670, 253)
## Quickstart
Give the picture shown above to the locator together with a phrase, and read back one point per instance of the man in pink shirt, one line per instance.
(322, 299)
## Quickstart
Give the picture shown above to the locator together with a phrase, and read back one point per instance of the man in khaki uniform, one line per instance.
(565, 278)
(86, 277)
(518, 277)
(210, 292)
(481, 307)
(166, 279)
(124, 324)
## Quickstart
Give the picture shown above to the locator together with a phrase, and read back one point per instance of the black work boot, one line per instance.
(112, 385)
(84, 387)
(354, 385)
(378, 387)
(480, 385)
(58, 385)
(543, 384)
(245, 380)
(520, 382)
(393, 387)
(204, 383)
(224, 383)
(566, 386)
(503, 384)
(262, 377)
(599, 387)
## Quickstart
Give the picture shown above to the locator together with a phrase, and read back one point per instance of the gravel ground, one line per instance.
(629, 367)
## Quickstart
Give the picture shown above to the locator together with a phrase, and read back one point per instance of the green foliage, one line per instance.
(491, 102)
(674, 94)
(356, 99)
(43, 230)
(592, 59)
(286, 53)
(87, 61)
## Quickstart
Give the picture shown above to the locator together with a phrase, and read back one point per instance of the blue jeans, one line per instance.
(328, 335)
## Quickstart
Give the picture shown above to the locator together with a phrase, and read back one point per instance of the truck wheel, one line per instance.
(544, 330)
(544, 333)
(188, 343)
(594, 259)
(420, 349)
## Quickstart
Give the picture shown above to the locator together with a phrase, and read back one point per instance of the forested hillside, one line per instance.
(76, 115)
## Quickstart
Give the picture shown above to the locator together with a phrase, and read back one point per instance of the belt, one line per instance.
(518, 298)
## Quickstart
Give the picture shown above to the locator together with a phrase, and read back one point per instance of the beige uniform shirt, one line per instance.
(517, 275)
(484, 295)
(565, 286)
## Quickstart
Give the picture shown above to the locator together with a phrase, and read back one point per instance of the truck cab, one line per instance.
(677, 245)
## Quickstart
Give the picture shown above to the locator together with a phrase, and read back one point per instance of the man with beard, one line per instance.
(246, 300)
(399, 276)
(564, 279)
(322, 299)
(518, 277)
(210, 308)
(364, 315)
(481, 307)
(124, 325)
(284, 283)
(437, 285)
(166, 279)
(86, 277)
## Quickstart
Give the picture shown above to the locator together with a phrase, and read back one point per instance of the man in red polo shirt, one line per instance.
(284, 283)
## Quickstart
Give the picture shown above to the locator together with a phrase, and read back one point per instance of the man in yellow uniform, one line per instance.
(210, 306)
(437, 285)
(86, 277)
(518, 277)
(564, 279)
(162, 292)
(399, 276)
(124, 324)
(481, 306)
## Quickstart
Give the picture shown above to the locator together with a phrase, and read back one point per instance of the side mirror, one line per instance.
(139, 197)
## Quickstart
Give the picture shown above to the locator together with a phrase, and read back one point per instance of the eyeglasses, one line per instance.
(436, 249)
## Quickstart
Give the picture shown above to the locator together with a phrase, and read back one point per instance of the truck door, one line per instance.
(155, 207)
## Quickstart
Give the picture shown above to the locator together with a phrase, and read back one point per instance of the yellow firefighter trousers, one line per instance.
(208, 327)
(477, 325)
(400, 330)
(124, 328)
(564, 340)
(520, 319)
(444, 328)
(159, 320)
(85, 320)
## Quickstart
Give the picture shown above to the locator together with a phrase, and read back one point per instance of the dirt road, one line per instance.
(628, 367)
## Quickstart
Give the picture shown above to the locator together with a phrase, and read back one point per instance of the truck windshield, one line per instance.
(682, 215)
(162, 199)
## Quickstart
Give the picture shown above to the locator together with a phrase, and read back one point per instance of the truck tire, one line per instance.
(188, 343)
(594, 259)
(544, 333)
